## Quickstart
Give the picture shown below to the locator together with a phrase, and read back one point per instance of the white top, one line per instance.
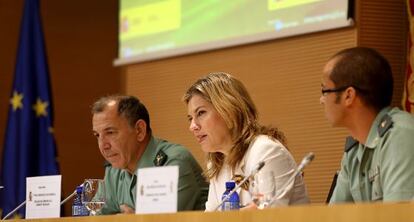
(277, 159)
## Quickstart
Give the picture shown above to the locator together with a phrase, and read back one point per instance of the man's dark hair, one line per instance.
(128, 106)
(368, 72)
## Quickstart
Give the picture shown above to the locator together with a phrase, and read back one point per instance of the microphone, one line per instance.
(258, 167)
(305, 161)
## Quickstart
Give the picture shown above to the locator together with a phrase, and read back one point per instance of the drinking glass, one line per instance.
(263, 189)
(93, 195)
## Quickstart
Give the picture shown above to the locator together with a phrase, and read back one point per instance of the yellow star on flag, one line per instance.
(40, 107)
(16, 100)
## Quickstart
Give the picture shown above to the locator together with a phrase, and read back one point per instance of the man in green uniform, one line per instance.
(378, 163)
(121, 126)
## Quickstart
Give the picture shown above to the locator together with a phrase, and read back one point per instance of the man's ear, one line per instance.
(141, 129)
(349, 96)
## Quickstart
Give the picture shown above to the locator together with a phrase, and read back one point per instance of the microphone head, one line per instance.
(306, 160)
(258, 167)
(310, 156)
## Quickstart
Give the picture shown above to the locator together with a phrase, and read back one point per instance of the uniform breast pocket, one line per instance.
(374, 178)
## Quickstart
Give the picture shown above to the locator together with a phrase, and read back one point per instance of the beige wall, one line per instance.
(283, 77)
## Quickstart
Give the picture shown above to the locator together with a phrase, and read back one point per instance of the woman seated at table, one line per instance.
(224, 121)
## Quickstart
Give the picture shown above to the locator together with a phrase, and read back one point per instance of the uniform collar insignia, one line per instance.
(384, 125)
(350, 143)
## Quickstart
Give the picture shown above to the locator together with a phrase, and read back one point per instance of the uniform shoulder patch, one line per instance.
(160, 158)
(384, 125)
(350, 143)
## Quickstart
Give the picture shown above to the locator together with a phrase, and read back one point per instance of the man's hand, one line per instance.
(125, 209)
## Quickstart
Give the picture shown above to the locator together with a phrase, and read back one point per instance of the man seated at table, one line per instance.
(121, 125)
(378, 163)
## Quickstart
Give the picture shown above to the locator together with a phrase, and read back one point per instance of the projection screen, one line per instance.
(154, 29)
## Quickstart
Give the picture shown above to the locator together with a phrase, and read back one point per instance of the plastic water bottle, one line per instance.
(78, 208)
(233, 202)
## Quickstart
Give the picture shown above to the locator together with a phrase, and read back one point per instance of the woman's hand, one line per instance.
(250, 206)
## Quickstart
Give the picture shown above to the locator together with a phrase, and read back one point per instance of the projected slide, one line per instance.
(151, 29)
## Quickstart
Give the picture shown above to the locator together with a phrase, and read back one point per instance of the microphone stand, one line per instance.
(306, 160)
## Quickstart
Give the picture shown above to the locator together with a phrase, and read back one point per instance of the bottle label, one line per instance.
(230, 205)
(79, 210)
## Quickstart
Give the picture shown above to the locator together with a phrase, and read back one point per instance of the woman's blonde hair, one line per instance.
(231, 100)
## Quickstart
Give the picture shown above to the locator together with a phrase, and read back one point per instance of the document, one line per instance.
(157, 190)
(43, 196)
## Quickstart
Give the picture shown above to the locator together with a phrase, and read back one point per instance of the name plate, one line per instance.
(43, 196)
(157, 190)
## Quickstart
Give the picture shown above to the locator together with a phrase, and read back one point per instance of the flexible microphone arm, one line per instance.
(305, 161)
(14, 210)
(71, 195)
(254, 172)
(68, 198)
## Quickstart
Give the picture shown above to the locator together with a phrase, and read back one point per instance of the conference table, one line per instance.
(369, 212)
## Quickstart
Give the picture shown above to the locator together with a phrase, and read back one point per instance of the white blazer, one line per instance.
(277, 159)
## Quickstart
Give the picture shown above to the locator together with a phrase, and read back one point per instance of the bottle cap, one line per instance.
(79, 189)
(230, 185)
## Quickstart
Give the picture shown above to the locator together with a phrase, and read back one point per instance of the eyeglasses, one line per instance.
(339, 89)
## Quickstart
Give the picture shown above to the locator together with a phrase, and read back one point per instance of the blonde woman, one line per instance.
(224, 121)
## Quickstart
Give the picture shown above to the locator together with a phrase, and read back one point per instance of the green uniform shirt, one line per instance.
(383, 168)
(120, 186)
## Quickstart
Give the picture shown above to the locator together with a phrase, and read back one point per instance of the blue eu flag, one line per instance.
(29, 148)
